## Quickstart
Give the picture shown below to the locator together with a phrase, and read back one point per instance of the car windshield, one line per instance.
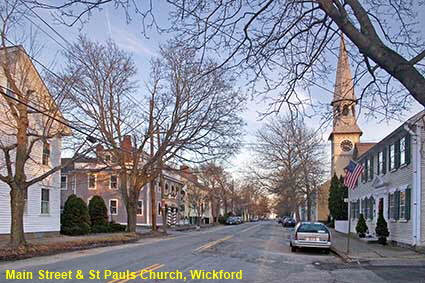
(312, 228)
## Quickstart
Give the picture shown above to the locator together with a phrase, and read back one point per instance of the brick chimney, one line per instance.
(126, 147)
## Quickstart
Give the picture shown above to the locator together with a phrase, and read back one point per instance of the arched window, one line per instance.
(345, 110)
(166, 188)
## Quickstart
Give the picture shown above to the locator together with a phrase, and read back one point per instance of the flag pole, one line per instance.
(349, 221)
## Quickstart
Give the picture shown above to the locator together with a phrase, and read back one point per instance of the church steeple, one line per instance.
(345, 131)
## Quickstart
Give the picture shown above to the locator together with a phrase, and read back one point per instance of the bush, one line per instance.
(361, 227)
(98, 215)
(382, 229)
(75, 219)
(337, 193)
(116, 227)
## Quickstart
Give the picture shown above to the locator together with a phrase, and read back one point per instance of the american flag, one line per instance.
(352, 174)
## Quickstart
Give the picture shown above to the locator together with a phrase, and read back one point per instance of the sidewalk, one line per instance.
(362, 251)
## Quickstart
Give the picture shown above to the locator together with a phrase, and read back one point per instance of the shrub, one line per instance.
(75, 219)
(98, 215)
(361, 227)
(116, 227)
(382, 229)
(337, 193)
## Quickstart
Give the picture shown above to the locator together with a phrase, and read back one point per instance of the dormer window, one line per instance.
(107, 157)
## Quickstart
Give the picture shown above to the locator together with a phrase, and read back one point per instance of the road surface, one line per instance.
(260, 250)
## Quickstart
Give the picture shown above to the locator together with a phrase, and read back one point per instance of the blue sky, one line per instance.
(111, 23)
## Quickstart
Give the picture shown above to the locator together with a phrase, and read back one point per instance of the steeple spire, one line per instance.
(344, 87)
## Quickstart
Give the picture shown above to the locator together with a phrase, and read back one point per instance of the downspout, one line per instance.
(416, 183)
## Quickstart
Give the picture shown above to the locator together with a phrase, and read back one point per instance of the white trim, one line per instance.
(109, 207)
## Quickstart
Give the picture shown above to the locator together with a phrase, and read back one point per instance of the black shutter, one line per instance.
(397, 154)
(407, 204)
(389, 206)
(407, 149)
(366, 170)
(397, 205)
(384, 170)
(371, 166)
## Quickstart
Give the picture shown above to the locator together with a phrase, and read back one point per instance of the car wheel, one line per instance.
(293, 249)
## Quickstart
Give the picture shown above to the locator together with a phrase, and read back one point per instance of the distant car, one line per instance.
(239, 219)
(311, 235)
(289, 222)
(280, 220)
(232, 220)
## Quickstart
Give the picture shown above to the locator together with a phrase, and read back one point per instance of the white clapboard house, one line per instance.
(42, 207)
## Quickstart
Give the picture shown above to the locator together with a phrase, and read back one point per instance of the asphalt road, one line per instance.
(261, 250)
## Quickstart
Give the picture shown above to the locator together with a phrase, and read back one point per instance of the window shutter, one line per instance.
(371, 166)
(408, 154)
(407, 204)
(397, 205)
(384, 170)
(389, 207)
(397, 154)
(366, 169)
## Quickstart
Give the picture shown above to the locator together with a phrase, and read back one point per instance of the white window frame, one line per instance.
(88, 181)
(381, 162)
(391, 157)
(66, 183)
(116, 182)
(74, 184)
(402, 151)
(402, 207)
(46, 161)
(109, 208)
(44, 201)
(141, 209)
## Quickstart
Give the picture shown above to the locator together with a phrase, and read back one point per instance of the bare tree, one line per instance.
(290, 157)
(190, 117)
(198, 199)
(31, 124)
(296, 38)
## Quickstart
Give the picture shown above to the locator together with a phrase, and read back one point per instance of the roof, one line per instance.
(411, 121)
(362, 147)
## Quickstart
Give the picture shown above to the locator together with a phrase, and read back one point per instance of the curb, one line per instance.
(341, 255)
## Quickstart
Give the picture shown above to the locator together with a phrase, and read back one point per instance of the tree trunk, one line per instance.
(17, 204)
(153, 206)
(131, 215)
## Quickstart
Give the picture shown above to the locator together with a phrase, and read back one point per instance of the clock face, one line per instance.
(346, 145)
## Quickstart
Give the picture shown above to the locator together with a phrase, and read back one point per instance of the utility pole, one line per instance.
(152, 153)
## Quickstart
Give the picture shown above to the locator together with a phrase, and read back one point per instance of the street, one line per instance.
(261, 250)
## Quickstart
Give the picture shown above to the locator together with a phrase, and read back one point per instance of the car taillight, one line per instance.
(329, 237)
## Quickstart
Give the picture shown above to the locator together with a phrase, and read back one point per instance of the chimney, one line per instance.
(99, 150)
(126, 147)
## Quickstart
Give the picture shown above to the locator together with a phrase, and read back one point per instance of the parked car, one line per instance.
(232, 220)
(311, 235)
(240, 219)
(289, 222)
(281, 219)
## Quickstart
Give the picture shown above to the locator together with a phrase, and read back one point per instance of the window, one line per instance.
(107, 157)
(45, 199)
(392, 157)
(159, 209)
(403, 151)
(140, 207)
(380, 163)
(46, 153)
(402, 207)
(113, 184)
(92, 182)
(113, 207)
(64, 185)
(166, 189)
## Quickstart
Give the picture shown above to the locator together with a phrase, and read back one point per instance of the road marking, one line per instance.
(249, 228)
(151, 267)
(213, 243)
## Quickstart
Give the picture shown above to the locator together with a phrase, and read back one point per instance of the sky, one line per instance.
(111, 23)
